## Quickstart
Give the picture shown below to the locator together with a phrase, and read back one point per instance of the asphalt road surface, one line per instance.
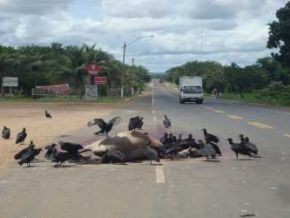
(185, 188)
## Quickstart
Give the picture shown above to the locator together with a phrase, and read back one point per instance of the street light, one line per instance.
(124, 58)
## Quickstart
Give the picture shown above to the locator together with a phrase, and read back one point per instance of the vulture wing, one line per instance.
(100, 122)
(115, 121)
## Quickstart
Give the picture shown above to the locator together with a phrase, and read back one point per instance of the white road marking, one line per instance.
(260, 125)
(209, 108)
(235, 117)
(153, 112)
(160, 176)
(219, 111)
(287, 135)
(154, 118)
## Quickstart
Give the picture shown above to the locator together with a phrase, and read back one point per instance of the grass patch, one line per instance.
(258, 98)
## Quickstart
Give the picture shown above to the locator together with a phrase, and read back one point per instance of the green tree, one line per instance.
(279, 35)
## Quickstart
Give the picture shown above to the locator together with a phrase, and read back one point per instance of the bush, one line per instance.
(276, 92)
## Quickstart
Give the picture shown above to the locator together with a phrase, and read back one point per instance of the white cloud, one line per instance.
(184, 30)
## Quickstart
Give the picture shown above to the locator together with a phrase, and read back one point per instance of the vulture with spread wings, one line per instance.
(105, 128)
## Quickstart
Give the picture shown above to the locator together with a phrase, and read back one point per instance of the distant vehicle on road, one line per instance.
(190, 89)
(161, 81)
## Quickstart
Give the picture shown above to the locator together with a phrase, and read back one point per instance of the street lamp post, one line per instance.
(125, 45)
(123, 70)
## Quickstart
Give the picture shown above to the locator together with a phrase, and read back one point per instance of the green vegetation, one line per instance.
(279, 35)
(266, 81)
(45, 65)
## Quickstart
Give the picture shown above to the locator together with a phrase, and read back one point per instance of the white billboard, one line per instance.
(10, 81)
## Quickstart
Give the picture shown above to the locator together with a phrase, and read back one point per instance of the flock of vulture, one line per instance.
(131, 145)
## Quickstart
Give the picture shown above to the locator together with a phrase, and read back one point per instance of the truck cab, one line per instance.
(191, 89)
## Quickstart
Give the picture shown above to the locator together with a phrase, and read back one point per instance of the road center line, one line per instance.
(219, 111)
(235, 117)
(160, 176)
(209, 108)
(260, 125)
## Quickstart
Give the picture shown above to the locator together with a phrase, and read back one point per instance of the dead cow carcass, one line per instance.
(125, 146)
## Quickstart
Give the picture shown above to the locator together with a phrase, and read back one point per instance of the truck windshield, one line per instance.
(192, 90)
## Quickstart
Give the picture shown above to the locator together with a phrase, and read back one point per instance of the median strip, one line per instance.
(235, 117)
(160, 176)
(260, 125)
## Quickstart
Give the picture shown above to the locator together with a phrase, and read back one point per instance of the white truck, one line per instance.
(190, 89)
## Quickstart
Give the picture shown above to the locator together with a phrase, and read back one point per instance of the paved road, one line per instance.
(185, 188)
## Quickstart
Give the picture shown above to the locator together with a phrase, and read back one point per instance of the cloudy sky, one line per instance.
(184, 30)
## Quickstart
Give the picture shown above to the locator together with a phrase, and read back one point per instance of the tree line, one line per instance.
(36, 65)
(269, 76)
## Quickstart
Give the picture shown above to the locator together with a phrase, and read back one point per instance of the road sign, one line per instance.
(100, 80)
(93, 69)
(10, 81)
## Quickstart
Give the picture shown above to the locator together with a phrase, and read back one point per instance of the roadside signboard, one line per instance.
(93, 69)
(59, 89)
(100, 80)
(10, 81)
(91, 92)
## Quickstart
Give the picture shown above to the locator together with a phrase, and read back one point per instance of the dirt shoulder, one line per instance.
(67, 117)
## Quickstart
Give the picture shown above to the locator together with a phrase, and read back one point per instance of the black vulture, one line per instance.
(135, 123)
(245, 141)
(105, 127)
(21, 136)
(20, 153)
(206, 150)
(5, 133)
(60, 157)
(72, 149)
(47, 115)
(188, 143)
(166, 122)
(50, 151)
(239, 148)
(27, 155)
(216, 148)
(251, 146)
(165, 138)
(210, 137)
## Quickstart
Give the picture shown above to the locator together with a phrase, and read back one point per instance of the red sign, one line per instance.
(60, 89)
(100, 80)
(93, 69)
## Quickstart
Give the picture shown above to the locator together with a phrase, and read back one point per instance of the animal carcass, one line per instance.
(131, 144)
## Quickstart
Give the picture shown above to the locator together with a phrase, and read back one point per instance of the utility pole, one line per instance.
(124, 57)
(132, 88)
(123, 70)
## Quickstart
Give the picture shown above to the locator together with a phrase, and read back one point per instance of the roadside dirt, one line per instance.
(66, 118)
